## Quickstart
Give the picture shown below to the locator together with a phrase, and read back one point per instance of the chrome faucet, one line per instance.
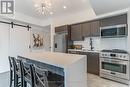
(91, 44)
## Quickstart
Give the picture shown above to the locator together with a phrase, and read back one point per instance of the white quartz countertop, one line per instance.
(94, 51)
(58, 59)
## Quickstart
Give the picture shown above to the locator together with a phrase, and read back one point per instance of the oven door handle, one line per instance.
(114, 61)
(113, 73)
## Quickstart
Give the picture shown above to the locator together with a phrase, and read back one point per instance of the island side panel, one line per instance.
(76, 75)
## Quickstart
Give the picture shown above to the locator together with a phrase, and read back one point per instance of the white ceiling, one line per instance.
(106, 6)
(27, 7)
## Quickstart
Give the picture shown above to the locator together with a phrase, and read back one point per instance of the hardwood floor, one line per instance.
(95, 81)
(4, 79)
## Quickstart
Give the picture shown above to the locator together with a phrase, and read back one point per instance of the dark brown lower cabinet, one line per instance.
(93, 63)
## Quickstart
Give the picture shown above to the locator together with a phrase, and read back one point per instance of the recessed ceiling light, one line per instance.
(84, 0)
(43, 12)
(36, 5)
(64, 7)
(51, 13)
(49, 4)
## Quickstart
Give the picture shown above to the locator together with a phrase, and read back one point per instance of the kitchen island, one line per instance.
(73, 66)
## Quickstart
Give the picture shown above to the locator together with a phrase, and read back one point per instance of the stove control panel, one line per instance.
(114, 55)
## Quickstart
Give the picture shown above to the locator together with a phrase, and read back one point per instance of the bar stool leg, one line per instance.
(22, 82)
(25, 84)
(15, 80)
(11, 78)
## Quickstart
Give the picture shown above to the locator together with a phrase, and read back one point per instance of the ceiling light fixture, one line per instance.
(43, 6)
(46, 7)
(64, 7)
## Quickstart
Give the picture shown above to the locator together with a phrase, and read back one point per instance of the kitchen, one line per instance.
(99, 39)
(65, 44)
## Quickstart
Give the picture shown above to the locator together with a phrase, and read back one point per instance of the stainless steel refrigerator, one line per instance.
(60, 42)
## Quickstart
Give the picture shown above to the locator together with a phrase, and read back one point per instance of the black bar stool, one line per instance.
(15, 72)
(19, 72)
(27, 74)
(40, 77)
(11, 71)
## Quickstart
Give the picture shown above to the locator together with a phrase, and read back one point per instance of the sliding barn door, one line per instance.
(4, 45)
(19, 41)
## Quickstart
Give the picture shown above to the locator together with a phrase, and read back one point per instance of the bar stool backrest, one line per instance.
(40, 77)
(13, 71)
(27, 73)
(11, 63)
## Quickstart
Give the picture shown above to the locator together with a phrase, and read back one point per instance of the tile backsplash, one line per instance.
(103, 43)
(114, 43)
(86, 43)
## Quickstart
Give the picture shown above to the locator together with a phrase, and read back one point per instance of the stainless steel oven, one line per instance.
(115, 65)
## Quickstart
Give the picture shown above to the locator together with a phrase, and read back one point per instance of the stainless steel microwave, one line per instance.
(114, 31)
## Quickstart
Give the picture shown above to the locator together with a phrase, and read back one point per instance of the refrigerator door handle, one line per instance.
(55, 45)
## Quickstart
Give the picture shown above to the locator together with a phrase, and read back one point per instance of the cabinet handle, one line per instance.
(82, 37)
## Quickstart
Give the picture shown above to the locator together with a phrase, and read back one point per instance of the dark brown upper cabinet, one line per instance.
(91, 29)
(95, 29)
(115, 20)
(76, 32)
(86, 29)
(62, 29)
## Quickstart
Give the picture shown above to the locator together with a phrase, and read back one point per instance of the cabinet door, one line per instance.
(61, 29)
(116, 20)
(93, 63)
(19, 41)
(76, 32)
(86, 29)
(4, 47)
(95, 28)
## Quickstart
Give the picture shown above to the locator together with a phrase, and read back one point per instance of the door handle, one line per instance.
(115, 61)
(113, 73)
(55, 45)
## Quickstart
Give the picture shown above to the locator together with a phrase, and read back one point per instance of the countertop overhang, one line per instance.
(54, 58)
